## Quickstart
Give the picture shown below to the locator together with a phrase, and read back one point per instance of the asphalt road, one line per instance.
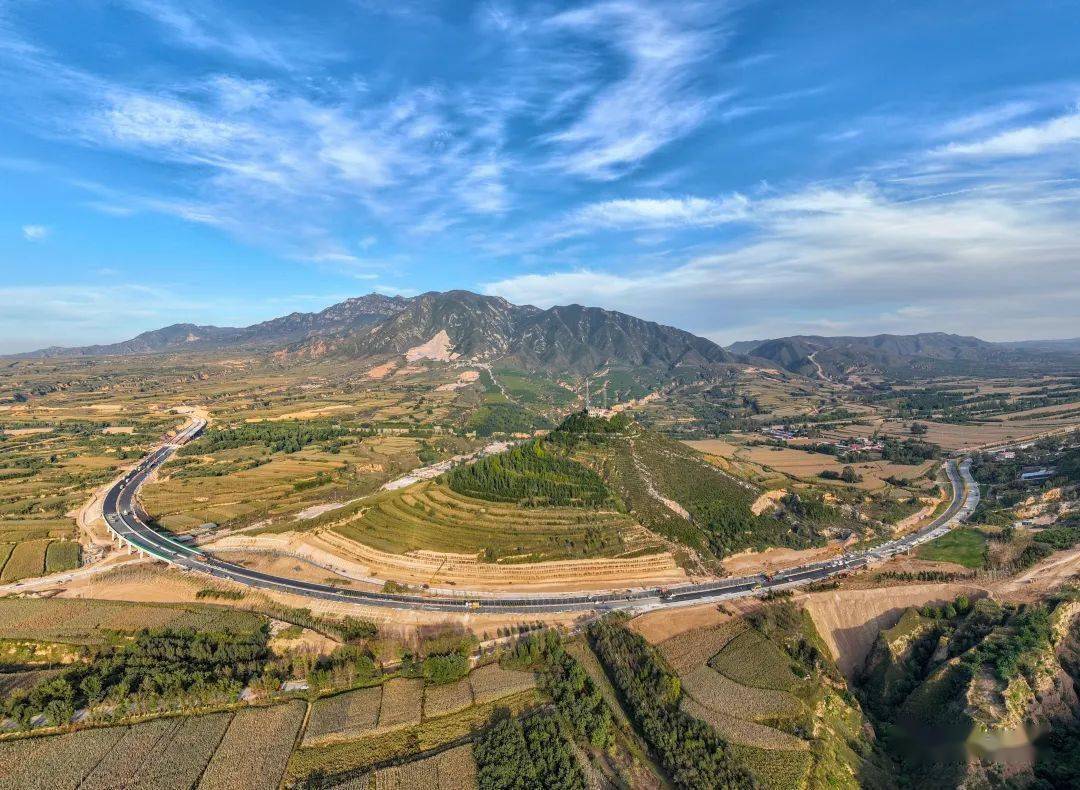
(129, 525)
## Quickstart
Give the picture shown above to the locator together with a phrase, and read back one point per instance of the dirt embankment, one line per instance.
(850, 620)
(772, 560)
(357, 561)
(160, 585)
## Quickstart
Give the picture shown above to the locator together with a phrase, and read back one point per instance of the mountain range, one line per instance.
(469, 326)
(924, 354)
(446, 325)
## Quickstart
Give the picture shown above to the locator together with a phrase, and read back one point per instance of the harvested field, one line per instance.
(747, 733)
(58, 762)
(27, 560)
(806, 465)
(163, 754)
(454, 769)
(398, 743)
(255, 748)
(492, 682)
(402, 702)
(179, 759)
(448, 698)
(694, 648)
(457, 769)
(850, 620)
(119, 767)
(351, 713)
(82, 621)
(752, 660)
(956, 437)
(719, 692)
(661, 624)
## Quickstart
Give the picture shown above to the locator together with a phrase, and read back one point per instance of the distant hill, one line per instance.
(1068, 345)
(465, 325)
(352, 313)
(925, 354)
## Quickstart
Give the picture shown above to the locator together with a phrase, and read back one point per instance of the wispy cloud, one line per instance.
(819, 252)
(653, 213)
(657, 97)
(1022, 141)
(209, 28)
(35, 232)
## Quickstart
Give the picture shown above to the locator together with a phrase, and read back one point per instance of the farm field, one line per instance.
(740, 677)
(734, 679)
(965, 546)
(351, 713)
(1013, 427)
(453, 769)
(807, 466)
(53, 454)
(239, 486)
(219, 750)
(255, 748)
(354, 756)
(430, 516)
(80, 621)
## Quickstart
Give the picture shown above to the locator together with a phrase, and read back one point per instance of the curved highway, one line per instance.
(129, 525)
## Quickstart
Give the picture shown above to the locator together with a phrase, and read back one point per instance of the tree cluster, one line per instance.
(160, 667)
(286, 436)
(528, 755)
(532, 473)
(577, 697)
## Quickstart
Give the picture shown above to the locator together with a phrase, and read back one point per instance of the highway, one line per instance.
(129, 526)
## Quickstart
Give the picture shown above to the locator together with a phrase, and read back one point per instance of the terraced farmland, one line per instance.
(454, 769)
(758, 695)
(255, 748)
(89, 621)
(402, 702)
(27, 559)
(161, 754)
(351, 713)
(430, 516)
(448, 698)
(356, 731)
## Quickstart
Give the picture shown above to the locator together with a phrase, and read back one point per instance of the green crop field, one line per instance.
(431, 516)
(965, 546)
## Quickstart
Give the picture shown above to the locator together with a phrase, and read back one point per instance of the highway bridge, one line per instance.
(130, 526)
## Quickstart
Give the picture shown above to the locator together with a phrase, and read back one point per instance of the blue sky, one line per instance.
(738, 169)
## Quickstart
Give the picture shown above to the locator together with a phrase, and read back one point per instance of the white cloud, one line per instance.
(985, 118)
(1023, 141)
(209, 29)
(655, 100)
(658, 213)
(35, 232)
(856, 256)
